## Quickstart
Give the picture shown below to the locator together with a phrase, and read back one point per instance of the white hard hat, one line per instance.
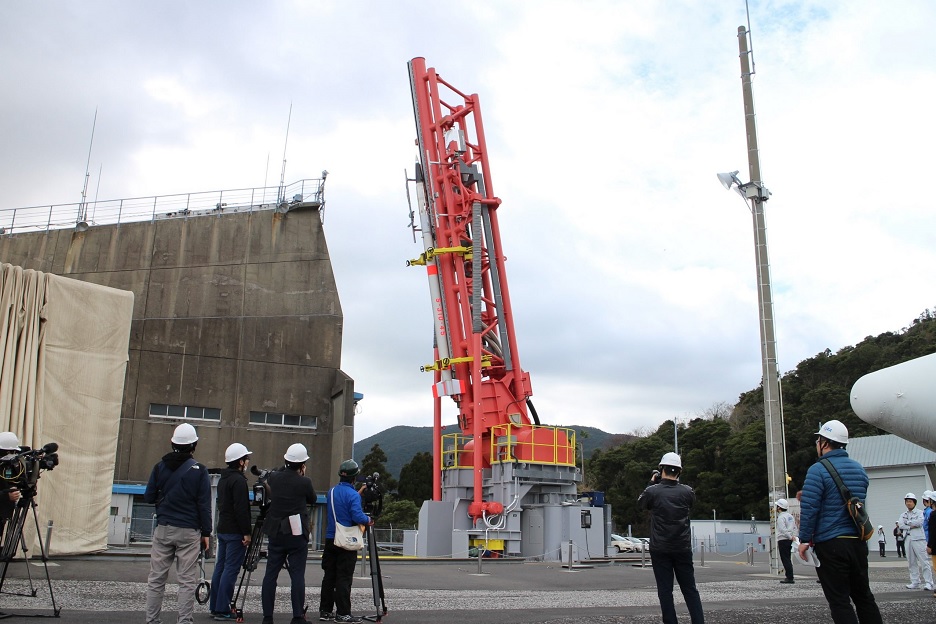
(234, 452)
(671, 459)
(296, 453)
(9, 441)
(911, 496)
(184, 434)
(880, 526)
(782, 503)
(834, 430)
(928, 495)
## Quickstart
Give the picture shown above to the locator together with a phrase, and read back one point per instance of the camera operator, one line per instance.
(287, 527)
(339, 563)
(669, 502)
(181, 490)
(9, 493)
(233, 530)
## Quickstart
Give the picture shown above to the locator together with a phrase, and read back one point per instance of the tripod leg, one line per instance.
(45, 562)
(376, 578)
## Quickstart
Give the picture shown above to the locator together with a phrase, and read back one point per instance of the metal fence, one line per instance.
(116, 211)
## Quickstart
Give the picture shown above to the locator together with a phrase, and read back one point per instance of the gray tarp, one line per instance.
(62, 368)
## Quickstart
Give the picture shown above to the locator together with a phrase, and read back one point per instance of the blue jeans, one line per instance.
(228, 560)
(291, 552)
(665, 565)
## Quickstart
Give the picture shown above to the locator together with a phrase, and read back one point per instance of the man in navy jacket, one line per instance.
(181, 490)
(826, 525)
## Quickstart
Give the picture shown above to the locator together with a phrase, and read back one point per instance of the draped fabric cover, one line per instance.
(62, 368)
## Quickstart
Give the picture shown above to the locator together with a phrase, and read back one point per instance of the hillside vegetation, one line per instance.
(724, 451)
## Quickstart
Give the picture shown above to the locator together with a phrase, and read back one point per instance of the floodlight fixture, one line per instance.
(82, 226)
(727, 179)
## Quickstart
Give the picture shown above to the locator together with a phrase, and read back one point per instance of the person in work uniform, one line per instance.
(344, 503)
(233, 530)
(911, 521)
(181, 491)
(826, 525)
(287, 528)
(899, 540)
(882, 540)
(669, 502)
(786, 531)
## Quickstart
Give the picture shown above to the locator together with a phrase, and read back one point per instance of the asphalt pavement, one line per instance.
(111, 588)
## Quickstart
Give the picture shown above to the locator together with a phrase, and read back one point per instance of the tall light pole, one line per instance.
(755, 194)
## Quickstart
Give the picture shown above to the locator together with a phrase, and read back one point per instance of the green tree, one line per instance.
(375, 463)
(416, 479)
(398, 514)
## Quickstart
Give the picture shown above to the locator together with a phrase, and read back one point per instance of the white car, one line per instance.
(622, 543)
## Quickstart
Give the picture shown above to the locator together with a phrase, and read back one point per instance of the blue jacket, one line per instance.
(348, 508)
(823, 515)
(187, 504)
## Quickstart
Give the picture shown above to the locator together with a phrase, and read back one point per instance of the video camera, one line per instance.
(260, 488)
(371, 495)
(20, 469)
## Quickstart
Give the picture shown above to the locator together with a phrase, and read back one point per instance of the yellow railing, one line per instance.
(532, 444)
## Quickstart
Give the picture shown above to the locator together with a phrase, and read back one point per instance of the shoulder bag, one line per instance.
(348, 538)
(855, 506)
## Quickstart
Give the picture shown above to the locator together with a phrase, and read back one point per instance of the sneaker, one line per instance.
(913, 586)
(224, 617)
(928, 587)
(326, 616)
(352, 619)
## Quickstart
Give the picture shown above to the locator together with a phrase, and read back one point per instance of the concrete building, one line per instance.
(237, 323)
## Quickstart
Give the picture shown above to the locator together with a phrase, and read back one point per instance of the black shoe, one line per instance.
(350, 619)
(326, 616)
(787, 581)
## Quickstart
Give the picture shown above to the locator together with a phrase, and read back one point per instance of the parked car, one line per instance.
(623, 544)
(646, 542)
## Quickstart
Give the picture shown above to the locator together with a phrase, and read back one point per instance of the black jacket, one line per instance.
(290, 493)
(669, 503)
(233, 503)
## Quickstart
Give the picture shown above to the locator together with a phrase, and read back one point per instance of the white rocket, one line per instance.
(901, 400)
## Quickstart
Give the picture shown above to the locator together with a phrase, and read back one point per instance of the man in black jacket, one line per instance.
(233, 530)
(287, 527)
(669, 502)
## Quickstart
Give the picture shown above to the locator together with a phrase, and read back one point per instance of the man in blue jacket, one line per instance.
(344, 503)
(181, 491)
(826, 525)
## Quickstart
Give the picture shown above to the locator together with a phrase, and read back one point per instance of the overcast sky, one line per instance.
(631, 269)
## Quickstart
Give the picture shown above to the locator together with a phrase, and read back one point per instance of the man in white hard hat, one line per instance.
(911, 521)
(233, 531)
(669, 502)
(882, 540)
(826, 526)
(181, 490)
(287, 527)
(786, 531)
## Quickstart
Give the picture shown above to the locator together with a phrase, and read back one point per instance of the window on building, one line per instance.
(185, 411)
(283, 420)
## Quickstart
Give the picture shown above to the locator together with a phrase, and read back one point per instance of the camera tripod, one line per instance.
(380, 606)
(12, 541)
(251, 559)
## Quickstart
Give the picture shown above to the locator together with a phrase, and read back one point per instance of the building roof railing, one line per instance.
(307, 193)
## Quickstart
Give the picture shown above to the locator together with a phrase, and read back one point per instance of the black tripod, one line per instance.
(12, 540)
(380, 606)
(251, 559)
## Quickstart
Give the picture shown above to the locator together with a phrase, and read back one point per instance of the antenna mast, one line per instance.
(282, 187)
(83, 206)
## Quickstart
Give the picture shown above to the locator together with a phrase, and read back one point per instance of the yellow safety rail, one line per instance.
(531, 444)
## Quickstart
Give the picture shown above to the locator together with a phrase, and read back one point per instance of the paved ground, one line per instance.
(111, 588)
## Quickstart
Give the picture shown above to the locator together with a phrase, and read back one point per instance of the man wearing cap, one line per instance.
(669, 502)
(233, 530)
(286, 525)
(911, 521)
(786, 531)
(826, 526)
(181, 491)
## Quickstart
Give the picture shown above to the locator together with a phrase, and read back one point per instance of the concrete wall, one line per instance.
(238, 312)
